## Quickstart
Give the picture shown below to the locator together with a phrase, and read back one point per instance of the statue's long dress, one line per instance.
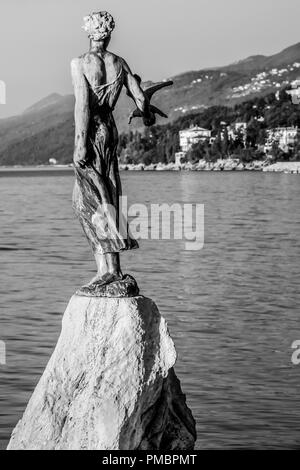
(97, 186)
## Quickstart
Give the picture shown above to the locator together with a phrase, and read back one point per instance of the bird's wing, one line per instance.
(156, 110)
(154, 88)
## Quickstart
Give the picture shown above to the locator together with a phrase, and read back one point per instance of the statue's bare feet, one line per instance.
(110, 285)
(109, 281)
(103, 279)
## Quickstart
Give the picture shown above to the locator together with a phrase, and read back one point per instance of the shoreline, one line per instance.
(202, 165)
(219, 165)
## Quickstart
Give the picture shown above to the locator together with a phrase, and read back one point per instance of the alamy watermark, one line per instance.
(2, 92)
(151, 222)
(2, 353)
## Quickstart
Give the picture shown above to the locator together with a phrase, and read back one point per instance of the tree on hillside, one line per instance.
(225, 143)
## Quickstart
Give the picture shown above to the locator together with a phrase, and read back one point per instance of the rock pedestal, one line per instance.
(110, 383)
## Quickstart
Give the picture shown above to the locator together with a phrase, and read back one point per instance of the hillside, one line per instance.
(46, 129)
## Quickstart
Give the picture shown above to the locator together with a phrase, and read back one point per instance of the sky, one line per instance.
(158, 38)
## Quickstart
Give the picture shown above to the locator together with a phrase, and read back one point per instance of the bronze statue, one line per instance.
(98, 77)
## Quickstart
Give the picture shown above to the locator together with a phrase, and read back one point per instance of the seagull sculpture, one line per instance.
(149, 92)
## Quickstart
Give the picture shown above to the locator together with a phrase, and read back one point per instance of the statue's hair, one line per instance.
(98, 25)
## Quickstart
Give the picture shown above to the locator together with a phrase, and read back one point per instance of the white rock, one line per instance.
(109, 384)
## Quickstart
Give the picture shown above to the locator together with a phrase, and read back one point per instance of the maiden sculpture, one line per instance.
(98, 77)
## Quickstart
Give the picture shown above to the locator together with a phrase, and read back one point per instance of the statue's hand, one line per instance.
(80, 158)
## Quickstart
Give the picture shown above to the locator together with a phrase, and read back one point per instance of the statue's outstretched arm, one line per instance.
(137, 94)
(82, 112)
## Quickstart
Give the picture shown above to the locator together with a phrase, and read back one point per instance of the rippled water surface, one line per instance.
(232, 308)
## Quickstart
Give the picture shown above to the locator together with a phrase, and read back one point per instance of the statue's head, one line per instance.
(99, 25)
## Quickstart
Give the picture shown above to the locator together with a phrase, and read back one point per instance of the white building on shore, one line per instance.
(295, 92)
(285, 137)
(191, 136)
